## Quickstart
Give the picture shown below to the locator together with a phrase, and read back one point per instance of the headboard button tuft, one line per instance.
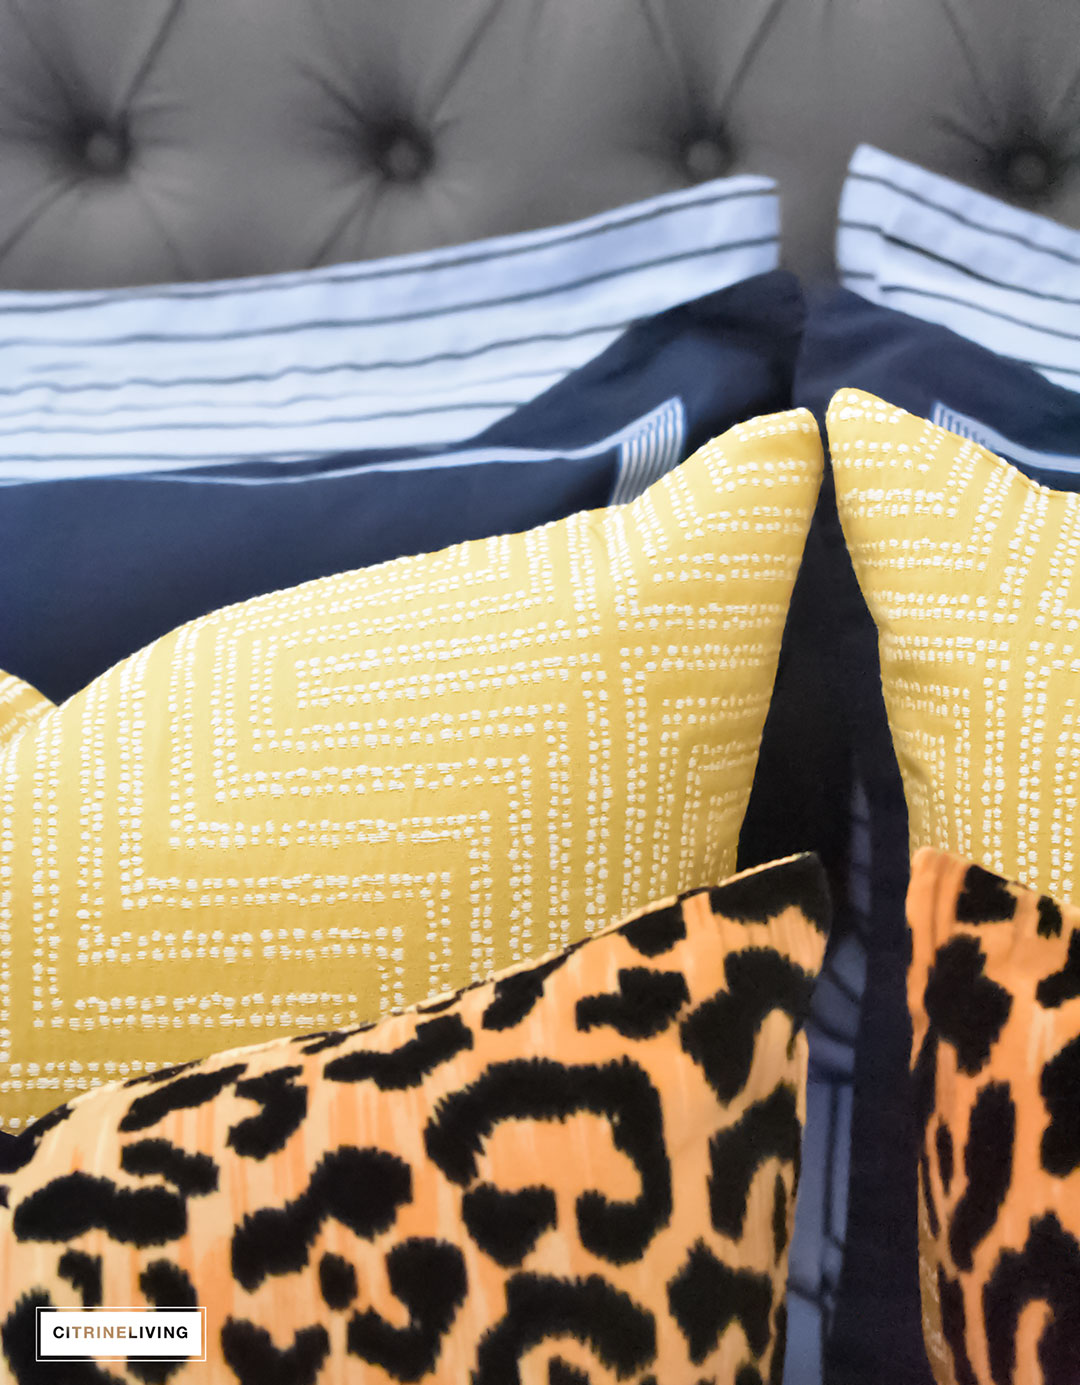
(707, 156)
(1027, 170)
(105, 152)
(402, 154)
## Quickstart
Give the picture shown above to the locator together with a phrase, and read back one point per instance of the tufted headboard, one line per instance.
(154, 140)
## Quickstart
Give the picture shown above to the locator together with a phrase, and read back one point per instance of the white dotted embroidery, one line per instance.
(971, 572)
(327, 803)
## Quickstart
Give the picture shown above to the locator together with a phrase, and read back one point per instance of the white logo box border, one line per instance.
(117, 1308)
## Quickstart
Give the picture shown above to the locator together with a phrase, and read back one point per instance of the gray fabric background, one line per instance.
(155, 140)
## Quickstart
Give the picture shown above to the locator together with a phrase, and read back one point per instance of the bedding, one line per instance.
(583, 1168)
(415, 350)
(1009, 280)
(95, 567)
(980, 776)
(999, 275)
(479, 751)
(994, 988)
(933, 372)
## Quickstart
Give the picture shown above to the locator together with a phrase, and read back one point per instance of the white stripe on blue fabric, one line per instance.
(925, 245)
(816, 1253)
(417, 350)
(655, 447)
(860, 859)
(665, 421)
(1002, 446)
(816, 1257)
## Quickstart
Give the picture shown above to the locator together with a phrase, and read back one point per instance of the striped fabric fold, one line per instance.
(928, 246)
(1065, 466)
(421, 349)
(655, 444)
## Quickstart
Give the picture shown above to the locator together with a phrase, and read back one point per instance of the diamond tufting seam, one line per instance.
(460, 60)
(150, 56)
(183, 270)
(33, 215)
(660, 24)
(15, 9)
(990, 108)
(763, 20)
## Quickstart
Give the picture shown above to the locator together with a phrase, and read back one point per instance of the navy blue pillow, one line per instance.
(92, 569)
(933, 373)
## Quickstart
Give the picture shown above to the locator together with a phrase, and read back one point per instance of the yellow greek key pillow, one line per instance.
(972, 574)
(325, 803)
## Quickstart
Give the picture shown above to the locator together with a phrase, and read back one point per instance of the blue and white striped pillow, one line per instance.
(1004, 278)
(423, 349)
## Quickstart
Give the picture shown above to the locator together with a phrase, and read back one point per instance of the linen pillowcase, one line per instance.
(1007, 279)
(417, 349)
(930, 371)
(589, 1161)
(340, 798)
(94, 567)
(994, 989)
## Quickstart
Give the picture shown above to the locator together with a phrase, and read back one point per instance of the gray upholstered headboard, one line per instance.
(154, 140)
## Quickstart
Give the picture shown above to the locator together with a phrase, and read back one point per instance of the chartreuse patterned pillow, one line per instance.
(972, 574)
(315, 806)
(994, 990)
(582, 1170)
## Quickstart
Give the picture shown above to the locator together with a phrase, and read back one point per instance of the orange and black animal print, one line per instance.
(581, 1172)
(994, 991)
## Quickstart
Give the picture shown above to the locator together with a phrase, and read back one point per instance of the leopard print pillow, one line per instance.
(994, 990)
(580, 1172)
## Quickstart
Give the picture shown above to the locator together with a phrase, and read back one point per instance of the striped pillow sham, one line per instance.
(1004, 278)
(421, 349)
